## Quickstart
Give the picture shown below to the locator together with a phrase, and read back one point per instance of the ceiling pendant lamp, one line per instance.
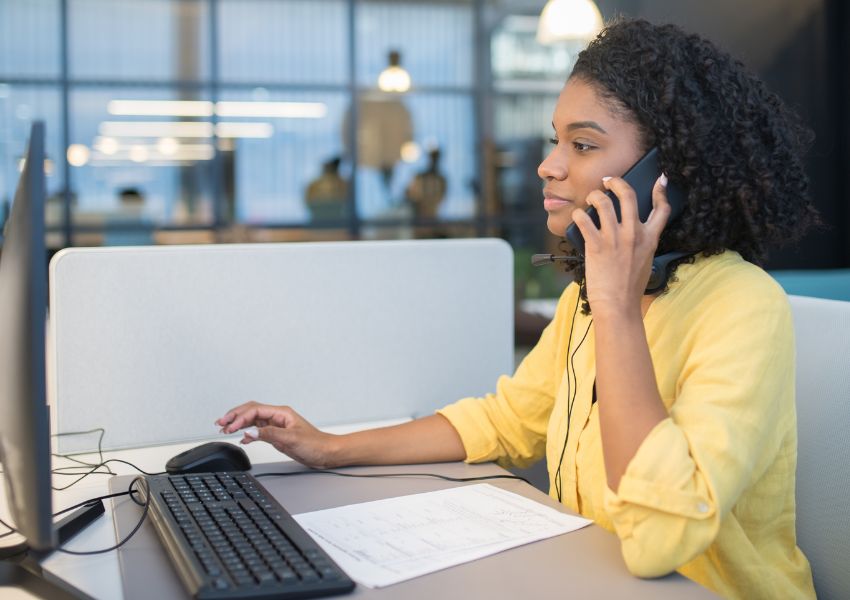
(568, 20)
(394, 78)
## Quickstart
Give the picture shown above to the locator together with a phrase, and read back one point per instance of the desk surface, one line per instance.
(99, 576)
(582, 564)
(585, 563)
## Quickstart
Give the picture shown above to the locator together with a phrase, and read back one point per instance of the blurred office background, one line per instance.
(215, 121)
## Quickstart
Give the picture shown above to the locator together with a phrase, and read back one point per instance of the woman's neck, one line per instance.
(645, 301)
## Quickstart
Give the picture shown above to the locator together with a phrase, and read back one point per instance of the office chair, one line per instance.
(822, 329)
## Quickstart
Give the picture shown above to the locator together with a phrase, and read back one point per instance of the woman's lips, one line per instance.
(555, 203)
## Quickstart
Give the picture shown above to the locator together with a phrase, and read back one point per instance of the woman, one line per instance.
(667, 418)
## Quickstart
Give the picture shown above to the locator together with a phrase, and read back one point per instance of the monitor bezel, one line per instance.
(24, 413)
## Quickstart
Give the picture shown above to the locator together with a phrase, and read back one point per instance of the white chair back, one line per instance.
(822, 329)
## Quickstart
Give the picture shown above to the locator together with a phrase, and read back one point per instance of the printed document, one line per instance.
(387, 541)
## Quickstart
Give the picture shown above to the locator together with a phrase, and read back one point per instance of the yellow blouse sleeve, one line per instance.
(510, 425)
(733, 406)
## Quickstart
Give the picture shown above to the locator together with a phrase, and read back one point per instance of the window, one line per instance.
(30, 34)
(21, 104)
(209, 114)
(166, 160)
(284, 42)
(142, 40)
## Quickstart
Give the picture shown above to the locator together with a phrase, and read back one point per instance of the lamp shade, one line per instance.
(394, 78)
(563, 20)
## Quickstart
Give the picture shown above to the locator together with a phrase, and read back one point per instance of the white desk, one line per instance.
(99, 575)
(586, 563)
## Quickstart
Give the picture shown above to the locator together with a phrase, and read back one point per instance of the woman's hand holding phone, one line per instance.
(618, 255)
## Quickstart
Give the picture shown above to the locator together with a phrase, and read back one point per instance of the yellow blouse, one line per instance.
(710, 491)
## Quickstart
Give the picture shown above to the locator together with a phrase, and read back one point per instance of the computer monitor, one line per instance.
(24, 421)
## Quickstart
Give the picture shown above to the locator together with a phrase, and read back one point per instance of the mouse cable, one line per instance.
(444, 477)
(70, 456)
(75, 469)
(99, 430)
(11, 529)
(93, 468)
(130, 492)
(138, 526)
(94, 471)
(80, 467)
(82, 464)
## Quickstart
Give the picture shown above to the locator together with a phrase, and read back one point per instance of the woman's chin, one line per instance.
(558, 226)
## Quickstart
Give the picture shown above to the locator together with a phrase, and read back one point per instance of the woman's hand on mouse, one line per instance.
(284, 429)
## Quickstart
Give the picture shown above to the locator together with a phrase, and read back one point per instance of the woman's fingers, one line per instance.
(627, 200)
(278, 437)
(228, 417)
(660, 208)
(587, 228)
(604, 210)
(250, 434)
(260, 415)
(629, 227)
(610, 226)
(300, 441)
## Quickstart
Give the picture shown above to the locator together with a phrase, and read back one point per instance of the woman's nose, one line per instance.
(552, 167)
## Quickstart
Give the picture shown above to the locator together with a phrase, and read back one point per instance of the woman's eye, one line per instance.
(553, 141)
(582, 147)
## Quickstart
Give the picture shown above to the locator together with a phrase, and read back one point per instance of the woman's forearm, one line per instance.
(429, 439)
(627, 393)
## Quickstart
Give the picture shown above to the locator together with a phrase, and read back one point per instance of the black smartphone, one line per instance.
(642, 177)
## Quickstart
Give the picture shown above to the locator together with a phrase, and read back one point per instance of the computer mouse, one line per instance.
(212, 457)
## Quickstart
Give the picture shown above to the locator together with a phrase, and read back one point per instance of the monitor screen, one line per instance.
(24, 422)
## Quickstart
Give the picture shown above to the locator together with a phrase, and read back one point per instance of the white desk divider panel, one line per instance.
(154, 343)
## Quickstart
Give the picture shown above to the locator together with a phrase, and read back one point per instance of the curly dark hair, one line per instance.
(721, 135)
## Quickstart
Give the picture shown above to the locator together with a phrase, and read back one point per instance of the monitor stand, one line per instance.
(21, 568)
(26, 574)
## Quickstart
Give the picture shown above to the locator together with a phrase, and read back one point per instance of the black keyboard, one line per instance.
(228, 538)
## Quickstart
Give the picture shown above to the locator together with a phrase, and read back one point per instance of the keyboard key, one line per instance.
(265, 577)
(220, 584)
(288, 577)
(328, 572)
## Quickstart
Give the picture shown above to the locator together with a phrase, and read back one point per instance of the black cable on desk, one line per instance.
(95, 468)
(130, 492)
(435, 475)
(138, 526)
(11, 529)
